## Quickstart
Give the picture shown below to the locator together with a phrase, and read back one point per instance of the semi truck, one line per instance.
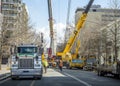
(26, 62)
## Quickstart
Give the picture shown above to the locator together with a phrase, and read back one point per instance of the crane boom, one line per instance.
(76, 49)
(50, 18)
(79, 25)
(51, 28)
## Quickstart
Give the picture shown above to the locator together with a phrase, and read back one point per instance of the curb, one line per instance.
(4, 76)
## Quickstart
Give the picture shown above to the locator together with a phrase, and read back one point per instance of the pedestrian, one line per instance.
(45, 65)
(60, 64)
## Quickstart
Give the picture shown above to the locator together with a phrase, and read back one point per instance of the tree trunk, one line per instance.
(115, 43)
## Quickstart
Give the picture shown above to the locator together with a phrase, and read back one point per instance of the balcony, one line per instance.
(15, 4)
(11, 2)
(10, 9)
(10, 15)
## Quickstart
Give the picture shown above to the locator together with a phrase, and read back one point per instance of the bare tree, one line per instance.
(115, 30)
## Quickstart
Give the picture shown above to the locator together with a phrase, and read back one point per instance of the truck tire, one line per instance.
(102, 73)
(98, 73)
(116, 76)
(38, 77)
(68, 66)
(13, 78)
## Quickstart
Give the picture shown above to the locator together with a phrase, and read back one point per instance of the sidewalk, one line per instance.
(4, 72)
(52, 73)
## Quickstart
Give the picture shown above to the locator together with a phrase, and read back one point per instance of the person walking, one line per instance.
(60, 64)
(45, 65)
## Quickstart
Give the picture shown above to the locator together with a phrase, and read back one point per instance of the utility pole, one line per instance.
(51, 49)
(67, 31)
(42, 48)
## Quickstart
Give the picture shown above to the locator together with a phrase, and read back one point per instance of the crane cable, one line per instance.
(68, 13)
(67, 20)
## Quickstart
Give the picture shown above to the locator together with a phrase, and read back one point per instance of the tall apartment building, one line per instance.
(97, 18)
(10, 10)
(14, 12)
(1, 20)
(98, 15)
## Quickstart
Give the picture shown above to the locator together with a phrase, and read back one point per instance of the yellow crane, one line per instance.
(75, 55)
(76, 60)
(66, 56)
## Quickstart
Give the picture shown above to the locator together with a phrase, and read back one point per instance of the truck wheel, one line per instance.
(67, 66)
(102, 73)
(38, 77)
(13, 78)
(70, 67)
(116, 76)
(98, 73)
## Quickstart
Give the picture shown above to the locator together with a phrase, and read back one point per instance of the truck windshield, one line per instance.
(91, 60)
(27, 49)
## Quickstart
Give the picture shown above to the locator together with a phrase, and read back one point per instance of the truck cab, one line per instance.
(26, 62)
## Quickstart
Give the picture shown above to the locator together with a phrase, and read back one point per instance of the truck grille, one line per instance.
(26, 63)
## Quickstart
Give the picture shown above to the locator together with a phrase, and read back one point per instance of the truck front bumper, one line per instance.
(26, 73)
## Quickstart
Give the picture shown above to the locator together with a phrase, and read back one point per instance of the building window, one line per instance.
(7, 0)
(94, 10)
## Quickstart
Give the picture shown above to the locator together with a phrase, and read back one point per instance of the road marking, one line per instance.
(32, 84)
(83, 82)
(4, 80)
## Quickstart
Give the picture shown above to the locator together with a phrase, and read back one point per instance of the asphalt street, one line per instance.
(67, 77)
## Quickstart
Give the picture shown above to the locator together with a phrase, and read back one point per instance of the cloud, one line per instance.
(59, 29)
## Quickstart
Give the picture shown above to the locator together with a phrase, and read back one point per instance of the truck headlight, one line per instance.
(36, 62)
(14, 65)
(12, 62)
(37, 65)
